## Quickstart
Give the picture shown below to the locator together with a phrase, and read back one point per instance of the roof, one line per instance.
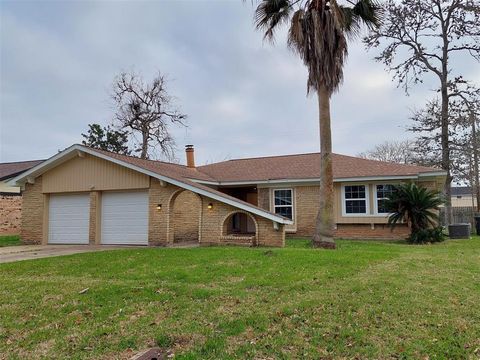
(307, 166)
(288, 168)
(461, 190)
(165, 168)
(11, 169)
(171, 173)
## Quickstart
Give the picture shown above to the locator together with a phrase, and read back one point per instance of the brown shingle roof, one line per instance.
(11, 169)
(177, 172)
(305, 166)
(172, 170)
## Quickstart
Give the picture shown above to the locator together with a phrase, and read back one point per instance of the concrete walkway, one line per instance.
(28, 252)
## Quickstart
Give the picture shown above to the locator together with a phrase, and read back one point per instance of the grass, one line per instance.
(363, 300)
(9, 240)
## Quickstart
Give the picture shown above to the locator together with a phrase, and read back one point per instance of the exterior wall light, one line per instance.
(159, 207)
(210, 206)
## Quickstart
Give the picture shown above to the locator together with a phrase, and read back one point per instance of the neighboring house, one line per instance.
(10, 196)
(462, 197)
(10, 170)
(83, 195)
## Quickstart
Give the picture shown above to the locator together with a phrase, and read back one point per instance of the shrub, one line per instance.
(418, 207)
(423, 236)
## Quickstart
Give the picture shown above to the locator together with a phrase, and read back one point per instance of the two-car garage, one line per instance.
(123, 218)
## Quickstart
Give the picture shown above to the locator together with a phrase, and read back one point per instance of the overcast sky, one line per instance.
(243, 97)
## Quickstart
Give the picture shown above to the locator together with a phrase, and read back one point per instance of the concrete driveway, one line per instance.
(28, 252)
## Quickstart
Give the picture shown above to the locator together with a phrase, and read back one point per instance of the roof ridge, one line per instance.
(380, 161)
(315, 153)
(132, 156)
(260, 157)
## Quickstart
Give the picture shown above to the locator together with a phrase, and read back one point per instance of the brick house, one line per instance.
(83, 195)
(11, 197)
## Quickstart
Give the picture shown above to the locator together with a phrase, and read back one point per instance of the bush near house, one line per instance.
(418, 207)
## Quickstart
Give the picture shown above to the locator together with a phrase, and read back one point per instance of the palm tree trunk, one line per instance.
(323, 236)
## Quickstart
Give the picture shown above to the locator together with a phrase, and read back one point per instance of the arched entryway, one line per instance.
(240, 226)
(185, 216)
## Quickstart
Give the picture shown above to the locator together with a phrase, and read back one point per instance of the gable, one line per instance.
(89, 173)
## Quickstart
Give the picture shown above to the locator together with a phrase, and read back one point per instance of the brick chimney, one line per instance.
(190, 152)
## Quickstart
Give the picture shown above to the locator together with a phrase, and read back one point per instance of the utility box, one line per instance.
(459, 231)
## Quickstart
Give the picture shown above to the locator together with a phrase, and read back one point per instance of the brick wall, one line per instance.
(92, 230)
(187, 208)
(306, 206)
(213, 224)
(264, 198)
(10, 214)
(365, 231)
(32, 213)
(158, 219)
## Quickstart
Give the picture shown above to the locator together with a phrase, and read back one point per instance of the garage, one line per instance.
(68, 219)
(124, 218)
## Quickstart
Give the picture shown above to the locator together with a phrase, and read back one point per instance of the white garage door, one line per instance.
(125, 218)
(68, 219)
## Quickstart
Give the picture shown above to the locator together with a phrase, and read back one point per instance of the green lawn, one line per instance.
(9, 240)
(364, 300)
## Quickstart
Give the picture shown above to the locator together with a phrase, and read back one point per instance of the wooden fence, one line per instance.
(462, 214)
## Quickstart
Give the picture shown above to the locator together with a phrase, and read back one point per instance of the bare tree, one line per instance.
(463, 137)
(427, 126)
(470, 141)
(420, 37)
(146, 110)
(400, 152)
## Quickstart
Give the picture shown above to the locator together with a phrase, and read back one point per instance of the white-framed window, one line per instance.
(355, 200)
(283, 202)
(382, 192)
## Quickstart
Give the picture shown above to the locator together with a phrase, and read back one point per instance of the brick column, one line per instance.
(94, 216)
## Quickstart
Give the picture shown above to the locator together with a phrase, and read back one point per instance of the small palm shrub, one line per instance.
(419, 207)
(423, 236)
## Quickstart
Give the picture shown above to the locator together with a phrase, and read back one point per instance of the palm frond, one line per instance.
(296, 34)
(416, 205)
(366, 13)
(317, 33)
(270, 14)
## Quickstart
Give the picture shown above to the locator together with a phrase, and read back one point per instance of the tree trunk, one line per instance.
(476, 169)
(323, 236)
(446, 154)
(144, 153)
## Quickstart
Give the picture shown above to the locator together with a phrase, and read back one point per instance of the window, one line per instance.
(383, 192)
(355, 199)
(283, 202)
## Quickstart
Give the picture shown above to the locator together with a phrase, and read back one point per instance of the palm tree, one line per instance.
(318, 34)
(416, 205)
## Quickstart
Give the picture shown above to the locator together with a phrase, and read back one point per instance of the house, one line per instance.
(462, 196)
(83, 195)
(10, 196)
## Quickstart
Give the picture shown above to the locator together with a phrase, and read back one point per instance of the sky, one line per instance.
(244, 97)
